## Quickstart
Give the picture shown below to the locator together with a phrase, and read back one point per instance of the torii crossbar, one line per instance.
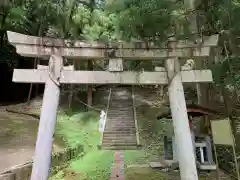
(55, 50)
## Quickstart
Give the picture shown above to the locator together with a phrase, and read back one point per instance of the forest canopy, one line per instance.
(105, 20)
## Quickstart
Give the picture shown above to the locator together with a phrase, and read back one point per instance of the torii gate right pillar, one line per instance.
(184, 145)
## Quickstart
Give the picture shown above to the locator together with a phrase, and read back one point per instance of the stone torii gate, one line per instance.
(55, 74)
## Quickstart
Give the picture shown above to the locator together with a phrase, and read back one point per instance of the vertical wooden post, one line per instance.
(71, 94)
(89, 87)
(165, 147)
(43, 151)
(217, 163)
(175, 156)
(209, 149)
(182, 132)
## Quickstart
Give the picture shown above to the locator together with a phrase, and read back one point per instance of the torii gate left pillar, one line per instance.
(43, 151)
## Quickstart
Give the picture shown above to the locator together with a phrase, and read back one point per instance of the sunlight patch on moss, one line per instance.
(79, 129)
(95, 165)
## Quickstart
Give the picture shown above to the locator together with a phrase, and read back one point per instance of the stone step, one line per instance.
(121, 105)
(120, 113)
(135, 147)
(133, 129)
(120, 136)
(121, 118)
(107, 137)
(124, 100)
(121, 109)
(123, 132)
(120, 124)
(116, 96)
(112, 125)
(121, 101)
(119, 133)
(118, 120)
(119, 141)
(118, 102)
(121, 94)
(116, 124)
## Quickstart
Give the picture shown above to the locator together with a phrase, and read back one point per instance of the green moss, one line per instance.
(82, 129)
(144, 174)
(95, 165)
(79, 129)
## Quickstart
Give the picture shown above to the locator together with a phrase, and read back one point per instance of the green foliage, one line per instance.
(82, 129)
(79, 129)
(95, 165)
(152, 19)
(227, 72)
(111, 20)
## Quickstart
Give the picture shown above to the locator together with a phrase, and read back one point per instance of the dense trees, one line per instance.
(105, 20)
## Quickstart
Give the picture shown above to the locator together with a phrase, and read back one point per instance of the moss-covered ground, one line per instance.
(82, 129)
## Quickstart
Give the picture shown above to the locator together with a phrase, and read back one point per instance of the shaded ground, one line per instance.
(153, 174)
(17, 138)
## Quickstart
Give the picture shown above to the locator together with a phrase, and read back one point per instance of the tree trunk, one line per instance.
(89, 87)
(90, 62)
(2, 30)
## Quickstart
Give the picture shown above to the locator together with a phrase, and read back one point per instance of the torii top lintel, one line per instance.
(33, 46)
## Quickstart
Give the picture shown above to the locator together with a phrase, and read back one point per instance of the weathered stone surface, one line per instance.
(43, 47)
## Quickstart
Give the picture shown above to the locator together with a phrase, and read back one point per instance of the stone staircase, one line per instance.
(120, 130)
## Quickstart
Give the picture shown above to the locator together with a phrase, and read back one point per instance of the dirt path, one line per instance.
(118, 166)
(17, 138)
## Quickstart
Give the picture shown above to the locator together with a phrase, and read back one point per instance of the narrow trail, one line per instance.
(18, 133)
(118, 166)
(17, 138)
